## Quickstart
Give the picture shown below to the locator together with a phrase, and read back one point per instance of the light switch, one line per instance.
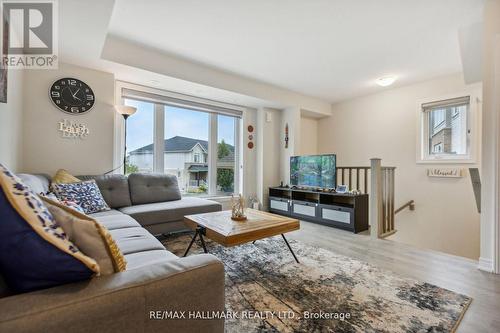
(268, 117)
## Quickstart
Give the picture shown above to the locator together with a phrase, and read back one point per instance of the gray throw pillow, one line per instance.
(153, 187)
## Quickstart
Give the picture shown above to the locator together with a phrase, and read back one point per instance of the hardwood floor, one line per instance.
(454, 273)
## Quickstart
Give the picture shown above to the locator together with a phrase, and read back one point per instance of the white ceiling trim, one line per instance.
(127, 53)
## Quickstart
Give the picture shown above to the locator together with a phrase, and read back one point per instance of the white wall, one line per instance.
(11, 116)
(490, 207)
(269, 142)
(44, 149)
(384, 125)
(309, 136)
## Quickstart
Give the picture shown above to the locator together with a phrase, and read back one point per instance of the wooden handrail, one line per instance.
(410, 204)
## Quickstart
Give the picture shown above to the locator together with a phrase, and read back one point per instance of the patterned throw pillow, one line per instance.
(35, 252)
(85, 194)
(70, 204)
(90, 236)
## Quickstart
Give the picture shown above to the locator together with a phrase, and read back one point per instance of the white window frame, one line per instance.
(473, 123)
(158, 135)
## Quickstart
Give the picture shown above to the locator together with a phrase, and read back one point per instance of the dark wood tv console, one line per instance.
(345, 211)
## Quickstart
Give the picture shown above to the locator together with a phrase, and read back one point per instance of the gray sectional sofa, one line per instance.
(155, 280)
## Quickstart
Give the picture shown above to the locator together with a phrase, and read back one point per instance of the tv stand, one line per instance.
(340, 210)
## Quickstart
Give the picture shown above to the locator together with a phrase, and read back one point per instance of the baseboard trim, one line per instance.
(486, 265)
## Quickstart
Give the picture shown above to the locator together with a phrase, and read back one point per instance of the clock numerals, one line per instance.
(72, 96)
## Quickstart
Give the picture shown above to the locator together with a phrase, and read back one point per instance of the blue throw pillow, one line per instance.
(85, 194)
(35, 253)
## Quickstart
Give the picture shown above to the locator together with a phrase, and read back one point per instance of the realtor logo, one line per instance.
(29, 34)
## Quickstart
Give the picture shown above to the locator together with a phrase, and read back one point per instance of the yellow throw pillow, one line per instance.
(64, 177)
(90, 236)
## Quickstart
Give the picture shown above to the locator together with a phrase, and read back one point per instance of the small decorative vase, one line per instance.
(238, 208)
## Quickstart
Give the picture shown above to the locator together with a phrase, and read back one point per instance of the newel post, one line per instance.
(376, 207)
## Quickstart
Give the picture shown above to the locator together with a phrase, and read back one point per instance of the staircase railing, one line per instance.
(381, 190)
(410, 204)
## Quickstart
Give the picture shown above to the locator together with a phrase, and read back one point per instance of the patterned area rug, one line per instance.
(326, 292)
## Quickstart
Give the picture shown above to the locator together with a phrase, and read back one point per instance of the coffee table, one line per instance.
(219, 227)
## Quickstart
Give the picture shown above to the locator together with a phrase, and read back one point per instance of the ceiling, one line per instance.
(264, 53)
(329, 49)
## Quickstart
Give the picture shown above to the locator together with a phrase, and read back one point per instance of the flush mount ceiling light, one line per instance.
(386, 81)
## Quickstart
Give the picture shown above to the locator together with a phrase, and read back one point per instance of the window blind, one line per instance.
(446, 103)
(185, 101)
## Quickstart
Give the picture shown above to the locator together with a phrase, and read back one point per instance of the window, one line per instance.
(445, 130)
(140, 137)
(226, 162)
(186, 144)
(195, 142)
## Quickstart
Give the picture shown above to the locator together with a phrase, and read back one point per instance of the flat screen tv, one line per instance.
(313, 171)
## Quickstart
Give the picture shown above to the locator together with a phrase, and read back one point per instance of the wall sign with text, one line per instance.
(73, 130)
(445, 172)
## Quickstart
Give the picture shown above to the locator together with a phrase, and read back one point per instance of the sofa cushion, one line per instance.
(86, 194)
(4, 290)
(35, 252)
(170, 211)
(115, 220)
(149, 188)
(64, 177)
(37, 183)
(89, 235)
(131, 240)
(114, 189)
(141, 259)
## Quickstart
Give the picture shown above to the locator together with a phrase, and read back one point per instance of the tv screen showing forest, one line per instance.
(313, 170)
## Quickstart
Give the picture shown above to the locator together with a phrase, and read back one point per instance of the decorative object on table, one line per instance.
(72, 96)
(286, 136)
(355, 192)
(342, 189)
(35, 251)
(445, 172)
(86, 194)
(126, 111)
(238, 208)
(253, 202)
(73, 130)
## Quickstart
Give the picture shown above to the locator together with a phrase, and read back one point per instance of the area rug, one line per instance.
(326, 292)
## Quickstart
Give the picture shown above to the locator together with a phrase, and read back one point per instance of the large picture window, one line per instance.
(198, 145)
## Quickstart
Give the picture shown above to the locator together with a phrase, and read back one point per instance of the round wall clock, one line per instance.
(72, 96)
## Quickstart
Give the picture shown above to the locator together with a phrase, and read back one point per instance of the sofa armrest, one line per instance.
(123, 302)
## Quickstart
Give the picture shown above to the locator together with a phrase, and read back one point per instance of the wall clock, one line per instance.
(72, 96)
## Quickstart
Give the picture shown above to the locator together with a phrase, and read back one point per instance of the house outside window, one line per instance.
(446, 131)
(187, 138)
